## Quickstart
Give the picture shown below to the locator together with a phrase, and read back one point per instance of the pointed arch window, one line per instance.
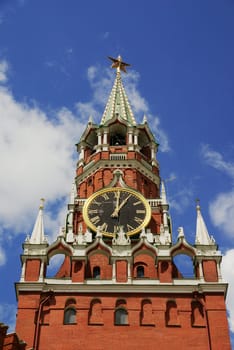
(121, 317)
(70, 316)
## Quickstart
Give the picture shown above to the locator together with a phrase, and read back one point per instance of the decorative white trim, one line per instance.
(71, 287)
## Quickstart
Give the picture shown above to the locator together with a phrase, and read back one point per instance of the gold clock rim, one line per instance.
(115, 189)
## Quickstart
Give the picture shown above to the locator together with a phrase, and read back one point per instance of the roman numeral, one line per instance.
(97, 203)
(105, 196)
(93, 211)
(95, 219)
(140, 211)
(104, 227)
(138, 220)
(117, 194)
(130, 228)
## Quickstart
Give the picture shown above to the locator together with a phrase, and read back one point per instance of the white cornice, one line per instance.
(80, 288)
(120, 164)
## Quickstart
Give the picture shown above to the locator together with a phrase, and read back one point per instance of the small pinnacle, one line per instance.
(198, 203)
(42, 203)
(144, 119)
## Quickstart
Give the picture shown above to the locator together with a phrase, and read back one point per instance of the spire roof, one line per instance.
(163, 193)
(202, 235)
(118, 105)
(38, 235)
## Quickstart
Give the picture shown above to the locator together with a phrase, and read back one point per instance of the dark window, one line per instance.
(70, 316)
(96, 272)
(140, 271)
(121, 317)
(117, 140)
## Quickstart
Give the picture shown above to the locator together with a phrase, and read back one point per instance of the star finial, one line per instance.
(119, 64)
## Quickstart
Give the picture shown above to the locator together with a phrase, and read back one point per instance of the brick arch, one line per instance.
(146, 314)
(121, 312)
(95, 312)
(59, 247)
(62, 268)
(197, 314)
(171, 315)
(99, 258)
(183, 266)
(146, 259)
(183, 248)
(70, 301)
(120, 303)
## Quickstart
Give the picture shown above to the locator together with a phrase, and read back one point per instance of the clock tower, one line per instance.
(118, 286)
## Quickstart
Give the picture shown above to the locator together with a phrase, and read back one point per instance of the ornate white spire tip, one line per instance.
(198, 204)
(42, 203)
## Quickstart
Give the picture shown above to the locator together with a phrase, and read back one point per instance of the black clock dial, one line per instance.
(110, 209)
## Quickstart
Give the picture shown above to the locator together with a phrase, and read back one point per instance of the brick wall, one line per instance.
(102, 333)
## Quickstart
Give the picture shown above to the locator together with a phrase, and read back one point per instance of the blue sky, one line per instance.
(54, 74)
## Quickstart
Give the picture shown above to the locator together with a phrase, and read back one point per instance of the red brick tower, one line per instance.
(118, 286)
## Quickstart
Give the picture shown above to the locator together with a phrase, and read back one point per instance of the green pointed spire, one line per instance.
(118, 105)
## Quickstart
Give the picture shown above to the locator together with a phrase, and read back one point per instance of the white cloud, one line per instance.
(181, 199)
(222, 206)
(228, 275)
(138, 102)
(221, 211)
(215, 159)
(8, 315)
(2, 257)
(86, 109)
(101, 81)
(162, 138)
(36, 159)
(4, 66)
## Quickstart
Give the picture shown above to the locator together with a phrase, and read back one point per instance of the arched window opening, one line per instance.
(117, 139)
(172, 314)
(183, 266)
(146, 313)
(140, 271)
(97, 272)
(197, 316)
(70, 316)
(56, 266)
(121, 317)
(95, 312)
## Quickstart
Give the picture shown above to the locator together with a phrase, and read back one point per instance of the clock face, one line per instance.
(113, 208)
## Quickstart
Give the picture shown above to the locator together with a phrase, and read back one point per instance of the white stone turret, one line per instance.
(202, 235)
(69, 219)
(163, 194)
(38, 235)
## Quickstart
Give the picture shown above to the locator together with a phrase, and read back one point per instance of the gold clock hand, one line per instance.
(116, 211)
